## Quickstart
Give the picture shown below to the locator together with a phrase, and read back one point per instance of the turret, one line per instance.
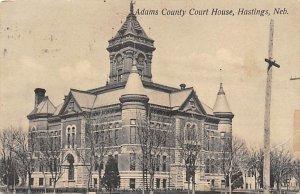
(134, 106)
(222, 110)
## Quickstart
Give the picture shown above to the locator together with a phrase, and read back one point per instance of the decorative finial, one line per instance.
(131, 6)
(221, 90)
(220, 76)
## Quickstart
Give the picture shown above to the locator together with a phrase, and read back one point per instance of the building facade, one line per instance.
(116, 111)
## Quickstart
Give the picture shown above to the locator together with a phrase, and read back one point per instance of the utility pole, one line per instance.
(271, 63)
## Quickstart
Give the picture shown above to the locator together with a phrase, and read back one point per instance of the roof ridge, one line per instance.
(81, 91)
(182, 90)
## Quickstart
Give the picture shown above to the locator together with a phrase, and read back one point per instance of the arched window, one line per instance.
(212, 166)
(141, 64)
(71, 134)
(70, 160)
(119, 59)
(191, 132)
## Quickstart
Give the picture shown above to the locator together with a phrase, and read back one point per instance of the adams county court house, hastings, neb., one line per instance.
(131, 94)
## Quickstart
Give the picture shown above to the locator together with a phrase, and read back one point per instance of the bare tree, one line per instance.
(281, 166)
(296, 170)
(255, 166)
(234, 157)
(190, 143)
(51, 157)
(152, 139)
(23, 147)
(93, 153)
(6, 154)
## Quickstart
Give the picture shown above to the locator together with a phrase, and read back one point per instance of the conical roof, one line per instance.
(221, 104)
(134, 83)
(131, 26)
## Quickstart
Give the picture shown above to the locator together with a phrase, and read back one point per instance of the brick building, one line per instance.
(128, 96)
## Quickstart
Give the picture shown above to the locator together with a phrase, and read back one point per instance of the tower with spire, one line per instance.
(222, 110)
(130, 44)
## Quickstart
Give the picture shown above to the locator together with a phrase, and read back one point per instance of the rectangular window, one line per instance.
(119, 76)
(132, 183)
(41, 168)
(31, 181)
(157, 125)
(164, 138)
(116, 158)
(132, 135)
(132, 121)
(110, 137)
(212, 144)
(151, 125)
(101, 166)
(164, 183)
(157, 183)
(208, 148)
(132, 161)
(96, 137)
(56, 143)
(41, 181)
(95, 182)
(157, 162)
(116, 137)
(164, 164)
(102, 135)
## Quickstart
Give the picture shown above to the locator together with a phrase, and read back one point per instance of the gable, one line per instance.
(70, 106)
(192, 105)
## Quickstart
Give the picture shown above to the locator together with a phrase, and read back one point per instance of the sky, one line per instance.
(58, 45)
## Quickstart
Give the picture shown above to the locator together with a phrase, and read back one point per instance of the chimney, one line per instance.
(182, 86)
(39, 96)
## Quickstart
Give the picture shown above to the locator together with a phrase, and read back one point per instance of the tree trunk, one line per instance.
(88, 183)
(151, 183)
(229, 184)
(7, 181)
(143, 189)
(245, 178)
(188, 185)
(29, 181)
(100, 179)
(54, 186)
(147, 186)
(193, 184)
(45, 187)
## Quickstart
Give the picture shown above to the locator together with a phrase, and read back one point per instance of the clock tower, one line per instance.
(130, 45)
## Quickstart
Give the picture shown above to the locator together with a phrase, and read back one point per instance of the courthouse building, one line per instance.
(128, 95)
